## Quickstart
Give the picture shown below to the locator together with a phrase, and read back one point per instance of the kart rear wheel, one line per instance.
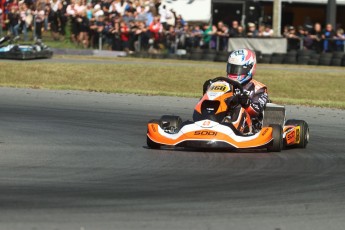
(304, 132)
(277, 134)
(171, 122)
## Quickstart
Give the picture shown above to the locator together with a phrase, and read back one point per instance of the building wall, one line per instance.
(298, 14)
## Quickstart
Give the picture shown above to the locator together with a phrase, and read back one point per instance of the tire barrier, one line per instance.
(292, 57)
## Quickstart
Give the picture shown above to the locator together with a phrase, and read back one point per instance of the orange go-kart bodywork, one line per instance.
(219, 122)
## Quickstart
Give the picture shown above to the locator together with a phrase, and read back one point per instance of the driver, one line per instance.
(241, 67)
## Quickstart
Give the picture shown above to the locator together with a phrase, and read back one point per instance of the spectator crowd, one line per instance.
(133, 25)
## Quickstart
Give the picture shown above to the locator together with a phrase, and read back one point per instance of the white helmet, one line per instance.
(241, 65)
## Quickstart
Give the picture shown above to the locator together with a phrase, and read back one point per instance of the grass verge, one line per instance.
(152, 77)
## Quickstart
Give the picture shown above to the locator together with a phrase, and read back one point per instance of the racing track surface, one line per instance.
(78, 160)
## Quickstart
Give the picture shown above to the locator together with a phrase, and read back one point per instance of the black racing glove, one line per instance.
(206, 85)
(244, 100)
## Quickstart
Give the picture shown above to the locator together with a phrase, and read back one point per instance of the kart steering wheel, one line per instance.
(234, 83)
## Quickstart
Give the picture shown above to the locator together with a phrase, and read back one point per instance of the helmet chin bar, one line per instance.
(234, 77)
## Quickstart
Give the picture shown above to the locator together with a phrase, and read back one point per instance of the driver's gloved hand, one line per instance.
(244, 100)
(206, 85)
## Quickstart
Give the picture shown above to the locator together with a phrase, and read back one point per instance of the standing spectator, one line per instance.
(316, 35)
(120, 6)
(209, 31)
(52, 22)
(98, 29)
(143, 36)
(187, 32)
(163, 12)
(223, 35)
(300, 32)
(124, 34)
(156, 28)
(261, 30)
(1, 22)
(233, 31)
(25, 20)
(285, 31)
(179, 19)
(71, 11)
(340, 42)
(328, 35)
(149, 17)
(39, 20)
(105, 6)
(240, 32)
(97, 11)
(130, 7)
(252, 32)
(196, 36)
(108, 37)
(55, 5)
(141, 16)
(13, 18)
(268, 32)
(133, 27)
(171, 40)
(84, 23)
(127, 17)
(171, 18)
(307, 40)
(293, 39)
(62, 18)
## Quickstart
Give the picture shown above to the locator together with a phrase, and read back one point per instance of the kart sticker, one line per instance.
(298, 139)
(219, 87)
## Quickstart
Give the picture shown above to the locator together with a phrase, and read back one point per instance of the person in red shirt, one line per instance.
(156, 28)
(124, 35)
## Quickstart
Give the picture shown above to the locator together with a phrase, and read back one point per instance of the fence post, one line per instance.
(301, 43)
(139, 43)
(34, 30)
(217, 45)
(100, 41)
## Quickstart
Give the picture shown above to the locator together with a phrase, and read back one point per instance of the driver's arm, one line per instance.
(258, 102)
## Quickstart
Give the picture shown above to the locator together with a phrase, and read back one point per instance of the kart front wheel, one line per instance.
(304, 132)
(277, 134)
(151, 144)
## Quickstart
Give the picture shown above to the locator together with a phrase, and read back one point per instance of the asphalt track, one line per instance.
(78, 160)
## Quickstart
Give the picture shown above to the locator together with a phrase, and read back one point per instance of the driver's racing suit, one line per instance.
(253, 100)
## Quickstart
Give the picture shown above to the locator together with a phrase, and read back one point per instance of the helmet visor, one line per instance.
(238, 69)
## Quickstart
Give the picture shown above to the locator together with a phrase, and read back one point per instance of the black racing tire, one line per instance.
(313, 62)
(303, 60)
(304, 132)
(325, 61)
(266, 58)
(336, 61)
(338, 54)
(171, 121)
(277, 58)
(290, 60)
(305, 52)
(151, 144)
(209, 56)
(277, 134)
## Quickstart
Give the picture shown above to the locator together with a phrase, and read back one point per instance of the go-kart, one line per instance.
(219, 122)
(10, 50)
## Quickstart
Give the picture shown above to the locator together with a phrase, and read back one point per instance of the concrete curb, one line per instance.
(98, 53)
